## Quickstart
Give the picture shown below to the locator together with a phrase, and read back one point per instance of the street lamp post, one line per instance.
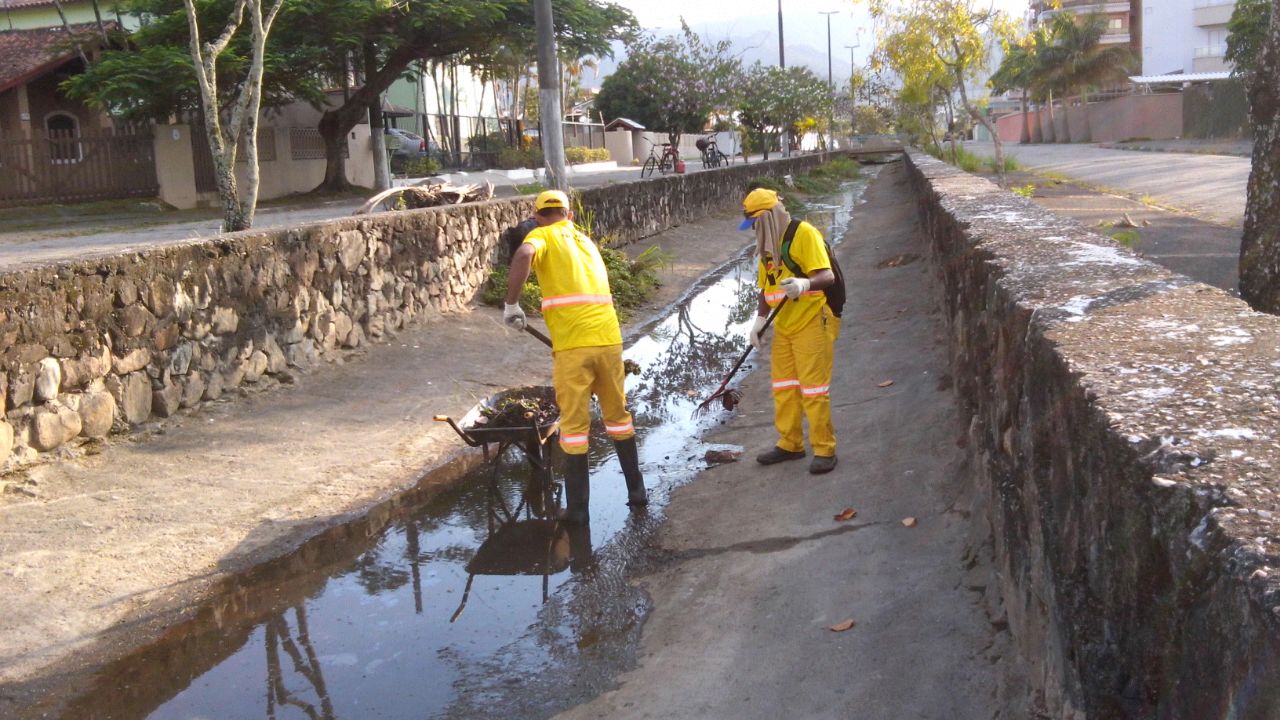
(782, 63)
(831, 87)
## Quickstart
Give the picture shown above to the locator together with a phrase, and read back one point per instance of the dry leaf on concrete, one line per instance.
(909, 522)
(846, 514)
(842, 626)
(886, 383)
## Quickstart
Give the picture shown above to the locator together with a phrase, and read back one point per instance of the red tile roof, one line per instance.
(28, 54)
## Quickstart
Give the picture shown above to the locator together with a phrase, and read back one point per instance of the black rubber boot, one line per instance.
(577, 491)
(629, 458)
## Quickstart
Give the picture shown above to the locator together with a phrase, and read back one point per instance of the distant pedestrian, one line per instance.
(805, 329)
(586, 344)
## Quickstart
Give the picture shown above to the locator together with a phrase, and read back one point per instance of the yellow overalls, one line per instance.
(804, 336)
(585, 337)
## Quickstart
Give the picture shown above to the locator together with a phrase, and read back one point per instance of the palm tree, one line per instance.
(1019, 71)
(1080, 62)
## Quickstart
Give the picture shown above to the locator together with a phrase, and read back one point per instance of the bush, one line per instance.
(1026, 191)
(490, 143)
(579, 155)
(512, 158)
(1010, 164)
(421, 167)
(631, 282)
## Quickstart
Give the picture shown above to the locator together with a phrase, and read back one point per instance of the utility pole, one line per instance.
(853, 99)
(782, 63)
(831, 86)
(552, 134)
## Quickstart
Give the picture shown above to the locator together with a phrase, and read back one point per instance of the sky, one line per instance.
(802, 23)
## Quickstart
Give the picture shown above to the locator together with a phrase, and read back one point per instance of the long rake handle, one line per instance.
(768, 321)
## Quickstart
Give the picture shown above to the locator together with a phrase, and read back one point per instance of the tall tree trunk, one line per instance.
(1260, 244)
(1026, 121)
(1037, 130)
(1066, 122)
(986, 123)
(1052, 135)
(377, 136)
(1084, 105)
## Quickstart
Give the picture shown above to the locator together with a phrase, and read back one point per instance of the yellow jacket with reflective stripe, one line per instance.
(810, 253)
(576, 300)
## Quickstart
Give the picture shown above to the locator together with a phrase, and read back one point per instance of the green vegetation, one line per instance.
(532, 188)
(1026, 191)
(1010, 164)
(579, 155)
(420, 167)
(1127, 238)
(793, 204)
(631, 281)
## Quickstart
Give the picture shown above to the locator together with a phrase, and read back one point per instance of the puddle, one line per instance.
(472, 603)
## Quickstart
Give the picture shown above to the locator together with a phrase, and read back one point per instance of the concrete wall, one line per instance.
(1123, 426)
(280, 177)
(1131, 116)
(91, 346)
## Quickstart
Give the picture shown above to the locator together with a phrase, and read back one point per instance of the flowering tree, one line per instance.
(673, 84)
(776, 100)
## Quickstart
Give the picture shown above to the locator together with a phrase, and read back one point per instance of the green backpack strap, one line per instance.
(787, 238)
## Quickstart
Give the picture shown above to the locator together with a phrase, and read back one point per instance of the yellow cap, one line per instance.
(551, 199)
(757, 201)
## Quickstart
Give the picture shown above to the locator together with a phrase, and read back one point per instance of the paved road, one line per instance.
(1209, 186)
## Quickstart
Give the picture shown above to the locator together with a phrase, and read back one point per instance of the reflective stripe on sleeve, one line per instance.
(564, 300)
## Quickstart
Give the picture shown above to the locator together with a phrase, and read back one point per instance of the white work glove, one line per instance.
(757, 342)
(513, 316)
(794, 287)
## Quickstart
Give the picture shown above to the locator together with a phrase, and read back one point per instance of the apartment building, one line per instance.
(1124, 18)
(1185, 36)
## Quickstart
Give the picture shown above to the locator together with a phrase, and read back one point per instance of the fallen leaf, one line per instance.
(846, 514)
(886, 383)
(909, 522)
(842, 626)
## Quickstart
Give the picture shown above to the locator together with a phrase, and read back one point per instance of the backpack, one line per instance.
(835, 291)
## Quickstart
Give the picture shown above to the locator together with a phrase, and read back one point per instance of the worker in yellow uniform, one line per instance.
(805, 329)
(586, 344)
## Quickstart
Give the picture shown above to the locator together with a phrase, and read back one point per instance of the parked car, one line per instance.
(405, 145)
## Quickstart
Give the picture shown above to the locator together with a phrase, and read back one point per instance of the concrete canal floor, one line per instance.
(106, 551)
(757, 570)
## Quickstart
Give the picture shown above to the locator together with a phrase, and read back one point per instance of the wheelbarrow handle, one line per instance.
(461, 433)
(538, 334)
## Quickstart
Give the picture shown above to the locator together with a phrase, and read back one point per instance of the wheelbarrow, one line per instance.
(527, 547)
(531, 439)
(476, 431)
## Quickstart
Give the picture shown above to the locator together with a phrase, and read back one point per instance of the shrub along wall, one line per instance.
(94, 346)
(1127, 431)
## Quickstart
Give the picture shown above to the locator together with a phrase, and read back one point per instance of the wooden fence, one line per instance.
(69, 166)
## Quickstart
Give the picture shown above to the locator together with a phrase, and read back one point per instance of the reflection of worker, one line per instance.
(805, 330)
(586, 343)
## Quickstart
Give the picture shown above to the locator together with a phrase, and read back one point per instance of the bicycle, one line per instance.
(711, 155)
(663, 163)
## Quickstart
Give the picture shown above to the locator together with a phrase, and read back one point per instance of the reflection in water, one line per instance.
(475, 603)
(307, 667)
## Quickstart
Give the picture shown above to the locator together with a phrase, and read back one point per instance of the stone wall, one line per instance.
(1126, 428)
(102, 345)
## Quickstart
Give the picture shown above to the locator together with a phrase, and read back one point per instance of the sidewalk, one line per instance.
(759, 570)
(1237, 148)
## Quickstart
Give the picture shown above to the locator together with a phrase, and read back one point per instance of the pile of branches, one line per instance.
(519, 412)
(428, 194)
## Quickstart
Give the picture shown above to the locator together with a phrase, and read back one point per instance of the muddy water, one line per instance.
(472, 604)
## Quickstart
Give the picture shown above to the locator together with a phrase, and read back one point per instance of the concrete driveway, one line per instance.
(1211, 187)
